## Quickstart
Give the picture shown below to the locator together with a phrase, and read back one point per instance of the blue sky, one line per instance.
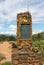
(9, 10)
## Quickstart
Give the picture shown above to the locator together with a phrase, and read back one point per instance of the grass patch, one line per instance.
(6, 63)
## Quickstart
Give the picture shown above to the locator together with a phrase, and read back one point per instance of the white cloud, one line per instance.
(38, 12)
(9, 32)
(10, 8)
(12, 27)
(35, 32)
(1, 26)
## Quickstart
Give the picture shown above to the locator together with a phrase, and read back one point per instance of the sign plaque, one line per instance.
(25, 31)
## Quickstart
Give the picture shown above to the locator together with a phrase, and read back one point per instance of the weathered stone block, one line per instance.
(15, 62)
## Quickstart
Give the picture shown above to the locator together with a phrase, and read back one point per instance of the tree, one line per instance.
(11, 38)
(39, 36)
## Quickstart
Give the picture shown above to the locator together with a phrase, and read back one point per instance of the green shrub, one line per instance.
(6, 63)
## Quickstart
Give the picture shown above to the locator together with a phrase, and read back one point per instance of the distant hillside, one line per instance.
(39, 36)
(35, 37)
(7, 37)
(38, 41)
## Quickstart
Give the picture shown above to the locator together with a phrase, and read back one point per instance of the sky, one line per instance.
(9, 10)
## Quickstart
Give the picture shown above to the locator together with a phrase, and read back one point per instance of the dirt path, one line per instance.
(6, 49)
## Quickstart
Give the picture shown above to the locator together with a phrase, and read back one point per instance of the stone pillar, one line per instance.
(40, 63)
(23, 53)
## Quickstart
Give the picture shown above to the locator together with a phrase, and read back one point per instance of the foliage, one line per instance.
(38, 41)
(6, 63)
(7, 37)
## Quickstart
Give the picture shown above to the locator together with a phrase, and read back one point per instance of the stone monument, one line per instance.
(23, 53)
